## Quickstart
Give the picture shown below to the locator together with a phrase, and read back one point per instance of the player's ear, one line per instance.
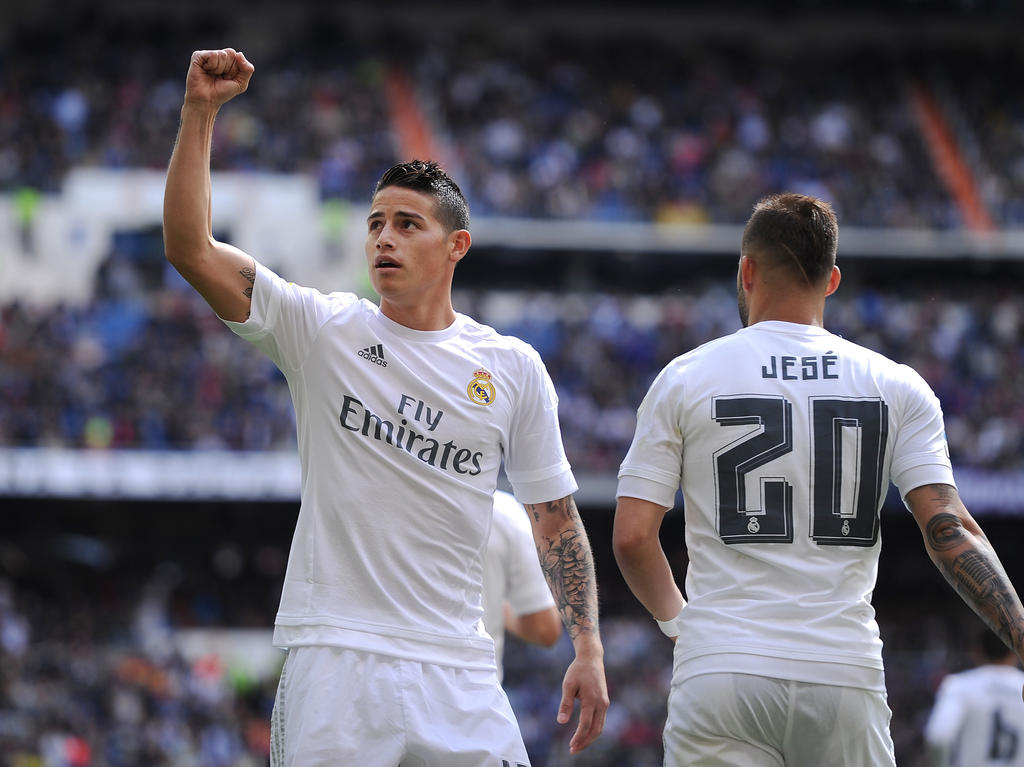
(748, 270)
(458, 244)
(833, 281)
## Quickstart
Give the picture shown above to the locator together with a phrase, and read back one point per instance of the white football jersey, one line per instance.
(511, 570)
(401, 434)
(783, 438)
(978, 718)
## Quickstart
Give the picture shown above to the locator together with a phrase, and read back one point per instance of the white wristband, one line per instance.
(668, 628)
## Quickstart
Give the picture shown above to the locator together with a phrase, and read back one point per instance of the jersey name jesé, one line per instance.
(784, 439)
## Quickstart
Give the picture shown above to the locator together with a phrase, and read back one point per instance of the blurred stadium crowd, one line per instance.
(650, 124)
(551, 125)
(156, 370)
(91, 673)
(106, 698)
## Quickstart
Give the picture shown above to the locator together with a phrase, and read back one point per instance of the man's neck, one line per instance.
(787, 308)
(419, 317)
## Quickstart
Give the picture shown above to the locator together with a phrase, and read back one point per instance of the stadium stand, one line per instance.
(155, 370)
(550, 115)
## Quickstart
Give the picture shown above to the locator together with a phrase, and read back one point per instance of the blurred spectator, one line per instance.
(978, 717)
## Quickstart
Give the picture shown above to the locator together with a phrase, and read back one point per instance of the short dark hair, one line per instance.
(794, 231)
(428, 177)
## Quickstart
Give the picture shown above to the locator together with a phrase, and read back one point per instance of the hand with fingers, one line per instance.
(584, 680)
(215, 77)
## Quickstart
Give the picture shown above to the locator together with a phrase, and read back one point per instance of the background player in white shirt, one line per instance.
(978, 717)
(405, 412)
(784, 439)
(517, 598)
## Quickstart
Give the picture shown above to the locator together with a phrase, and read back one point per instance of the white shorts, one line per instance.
(727, 720)
(337, 706)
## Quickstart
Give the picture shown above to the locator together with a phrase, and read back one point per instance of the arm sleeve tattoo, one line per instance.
(970, 565)
(568, 565)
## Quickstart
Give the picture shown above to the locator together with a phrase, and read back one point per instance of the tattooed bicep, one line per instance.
(929, 500)
(249, 274)
(939, 493)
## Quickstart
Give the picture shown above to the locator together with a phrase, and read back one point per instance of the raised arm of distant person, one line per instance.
(964, 556)
(222, 274)
(568, 565)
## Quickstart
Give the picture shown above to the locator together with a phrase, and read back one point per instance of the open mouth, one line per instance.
(385, 263)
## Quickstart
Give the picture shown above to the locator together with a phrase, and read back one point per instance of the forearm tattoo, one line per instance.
(977, 576)
(981, 582)
(249, 274)
(568, 565)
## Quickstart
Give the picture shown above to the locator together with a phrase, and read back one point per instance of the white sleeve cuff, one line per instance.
(544, 490)
(632, 486)
(918, 476)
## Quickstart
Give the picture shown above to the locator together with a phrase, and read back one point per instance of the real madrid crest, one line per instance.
(480, 389)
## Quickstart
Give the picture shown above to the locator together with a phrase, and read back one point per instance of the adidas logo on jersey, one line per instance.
(374, 354)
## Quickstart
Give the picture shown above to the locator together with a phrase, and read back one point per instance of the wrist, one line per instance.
(669, 628)
(587, 644)
(200, 109)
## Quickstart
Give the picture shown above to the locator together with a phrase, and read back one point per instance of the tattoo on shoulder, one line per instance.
(945, 531)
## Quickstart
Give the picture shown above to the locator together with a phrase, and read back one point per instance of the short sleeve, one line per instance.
(285, 318)
(652, 468)
(535, 459)
(920, 452)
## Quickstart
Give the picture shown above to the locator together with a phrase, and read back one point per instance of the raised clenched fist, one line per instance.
(215, 77)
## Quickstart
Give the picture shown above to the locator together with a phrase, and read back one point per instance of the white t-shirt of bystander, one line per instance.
(978, 719)
(511, 571)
